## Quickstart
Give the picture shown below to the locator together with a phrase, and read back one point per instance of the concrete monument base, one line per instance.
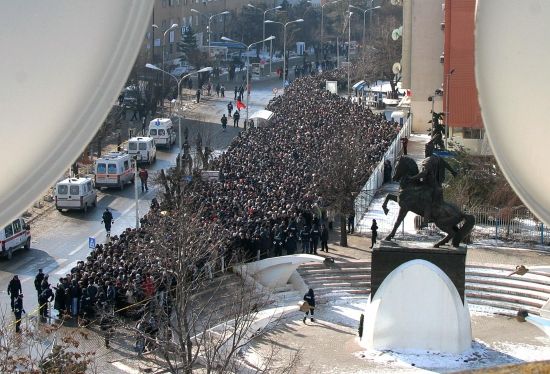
(416, 307)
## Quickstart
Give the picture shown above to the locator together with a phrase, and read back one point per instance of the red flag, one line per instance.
(240, 105)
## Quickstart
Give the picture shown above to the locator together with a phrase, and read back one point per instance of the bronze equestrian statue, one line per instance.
(422, 193)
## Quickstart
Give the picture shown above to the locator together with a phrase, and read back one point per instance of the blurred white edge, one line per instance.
(526, 197)
(96, 109)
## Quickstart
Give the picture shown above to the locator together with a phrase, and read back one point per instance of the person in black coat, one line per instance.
(38, 283)
(18, 312)
(324, 238)
(45, 297)
(374, 231)
(310, 298)
(314, 235)
(14, 290)
(290, 243)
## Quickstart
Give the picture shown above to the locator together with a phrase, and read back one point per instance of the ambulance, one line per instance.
(162, 131)
(75, 193)
(143, 148)
(115, 169)
(14, 236)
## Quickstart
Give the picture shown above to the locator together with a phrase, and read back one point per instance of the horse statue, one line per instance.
(421, 193)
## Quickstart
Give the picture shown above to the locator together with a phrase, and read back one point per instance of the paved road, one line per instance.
(59, 240)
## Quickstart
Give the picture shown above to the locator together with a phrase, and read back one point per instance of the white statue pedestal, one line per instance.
(417, 307)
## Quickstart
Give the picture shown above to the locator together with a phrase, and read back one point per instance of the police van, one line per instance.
(162, 131)
(14, 236)
(143, 148)
(114, 169)
(75, 193)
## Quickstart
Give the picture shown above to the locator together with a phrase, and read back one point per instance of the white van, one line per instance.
(162, 131)
(75, 193)
(14, 236)
(115, 169)
(143, 148)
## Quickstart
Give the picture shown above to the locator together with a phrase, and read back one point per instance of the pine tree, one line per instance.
(188, 46)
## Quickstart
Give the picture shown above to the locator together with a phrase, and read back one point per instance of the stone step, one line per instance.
(335, 271)
(512, 307)
(328, 284)
(528, 279)
(508, 269)
(518, 300)
(335, 277)
(337, 264)
(350, 290)
(475, 286)
(514, 283)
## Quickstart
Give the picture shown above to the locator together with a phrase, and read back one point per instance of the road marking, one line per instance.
(66, 269)
(125, 368)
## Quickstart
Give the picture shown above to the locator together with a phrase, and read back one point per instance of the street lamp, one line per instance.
(174, 25)
(447, 113)
(178, 81)
(349, 48)
(365, 17)
(284, 44)
(248, 65)
(265, 12)
(209, 20)
(323, 19)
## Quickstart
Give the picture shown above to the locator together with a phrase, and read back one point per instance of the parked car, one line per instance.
(14, 236)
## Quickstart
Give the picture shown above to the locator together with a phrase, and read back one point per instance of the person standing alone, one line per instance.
(18, 312)
(14, 290)
(309, 297)
(224, 122)
(143, 176)
(374, 231)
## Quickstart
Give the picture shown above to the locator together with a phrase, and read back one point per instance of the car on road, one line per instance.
(114, 169)
(143, 149)
(75, 193)
(162, 130)
(14, 236)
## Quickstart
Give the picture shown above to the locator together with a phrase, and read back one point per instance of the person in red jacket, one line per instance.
(143, 176)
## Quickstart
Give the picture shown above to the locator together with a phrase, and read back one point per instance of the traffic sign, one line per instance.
(91, 242)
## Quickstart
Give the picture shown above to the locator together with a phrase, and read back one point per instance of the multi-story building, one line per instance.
(188, 13)
(438, 53)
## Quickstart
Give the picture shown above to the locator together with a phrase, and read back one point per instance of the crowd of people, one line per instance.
(266, 201)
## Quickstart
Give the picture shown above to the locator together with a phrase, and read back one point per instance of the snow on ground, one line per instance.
(347, 313)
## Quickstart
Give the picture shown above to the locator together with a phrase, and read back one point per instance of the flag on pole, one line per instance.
(240, 105)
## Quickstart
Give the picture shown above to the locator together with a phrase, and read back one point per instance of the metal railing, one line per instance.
(508, 224)
(375, 181)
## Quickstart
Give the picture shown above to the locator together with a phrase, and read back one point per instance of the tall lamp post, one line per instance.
(209, 20)
(447, 113)
(174, 25)
(284, 44)
(178, 81)
(265, 12)
(364, 17)
(248, 65)
(349, 47)
(323, 19)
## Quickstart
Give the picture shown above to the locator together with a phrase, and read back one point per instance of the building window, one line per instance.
(471, 133)
(164, 3)
(171, 36)
(163, 24)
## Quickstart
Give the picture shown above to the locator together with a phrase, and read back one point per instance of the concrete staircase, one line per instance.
(488, 287)
(345, 279)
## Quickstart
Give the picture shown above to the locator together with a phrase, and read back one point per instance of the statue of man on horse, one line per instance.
(422, 193)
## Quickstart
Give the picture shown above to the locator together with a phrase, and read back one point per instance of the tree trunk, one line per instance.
(343, 231)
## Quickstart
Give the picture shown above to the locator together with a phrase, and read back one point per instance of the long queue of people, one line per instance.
(267, 200)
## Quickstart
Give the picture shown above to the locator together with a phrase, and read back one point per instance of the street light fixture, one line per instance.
(209, 20)
(447, 113)
(174, 25)
(248, 65)
(323, 18)
(284, 44)
(178, 81)
(349, 47)
(364, 17)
